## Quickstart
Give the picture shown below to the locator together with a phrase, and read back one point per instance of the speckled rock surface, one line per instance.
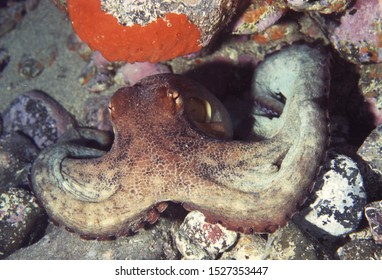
(290, 243)
(59, 244)
(37, 115)
(360, 249)
(197, 239)
(357, 38)
(339, 197)
(373, 213)
(21, 220)
(371, 149)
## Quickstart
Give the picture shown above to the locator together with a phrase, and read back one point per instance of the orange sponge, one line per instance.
(159, 40)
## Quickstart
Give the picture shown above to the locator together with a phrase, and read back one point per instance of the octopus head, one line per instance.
(167, 101)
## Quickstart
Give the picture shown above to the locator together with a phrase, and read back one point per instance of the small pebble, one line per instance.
(29, 67)
(197, 239)
(337, 204)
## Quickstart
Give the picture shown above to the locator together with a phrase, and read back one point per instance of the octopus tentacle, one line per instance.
(51, 160)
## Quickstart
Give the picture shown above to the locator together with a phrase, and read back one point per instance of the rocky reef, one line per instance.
(190, 130)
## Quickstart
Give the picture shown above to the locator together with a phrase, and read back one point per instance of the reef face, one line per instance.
(159, 155)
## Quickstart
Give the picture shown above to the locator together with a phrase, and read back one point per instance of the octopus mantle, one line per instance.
(160, 155)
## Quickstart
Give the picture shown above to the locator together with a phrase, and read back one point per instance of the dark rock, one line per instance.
(16, 155)
(22, 221)
(290, 243)
(38, 116)
(360, 249)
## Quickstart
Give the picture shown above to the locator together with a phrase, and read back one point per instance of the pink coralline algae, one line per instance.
(359, 36)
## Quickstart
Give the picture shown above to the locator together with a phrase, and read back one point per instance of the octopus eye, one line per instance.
(198, 110)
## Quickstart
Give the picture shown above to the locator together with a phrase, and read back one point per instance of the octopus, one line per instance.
(173, 142)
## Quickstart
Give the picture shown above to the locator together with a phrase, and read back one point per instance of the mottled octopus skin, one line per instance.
(157, 156)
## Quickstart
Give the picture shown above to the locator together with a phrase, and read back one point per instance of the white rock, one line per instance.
(197, 239)
(340, 198)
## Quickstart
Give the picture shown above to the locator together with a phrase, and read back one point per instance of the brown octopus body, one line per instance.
(159, 155)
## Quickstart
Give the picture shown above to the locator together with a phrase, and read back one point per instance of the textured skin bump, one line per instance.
(158, 156)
